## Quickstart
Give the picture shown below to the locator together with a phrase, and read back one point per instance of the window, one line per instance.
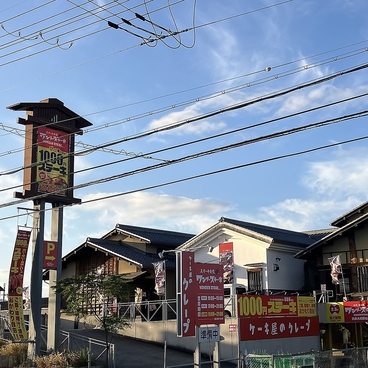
(362, 273)
(255, 279)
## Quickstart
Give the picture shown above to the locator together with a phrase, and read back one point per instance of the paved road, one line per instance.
(132, 353)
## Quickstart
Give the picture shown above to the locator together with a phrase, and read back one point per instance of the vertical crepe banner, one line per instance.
(160, 278)
(335, 269)
(227, 261)
(15, 289)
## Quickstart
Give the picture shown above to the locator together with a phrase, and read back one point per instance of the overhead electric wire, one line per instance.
(231, 108)
(35, 33)
(57, 44)
(213, 113)
(144, 42)
(201, 140)
(201, 154)
(215, 172)
(211, 95)
(215, 94)
(28, 11)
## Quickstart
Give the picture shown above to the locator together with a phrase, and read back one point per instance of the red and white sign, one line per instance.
(200, 294)
(356, 311)
(209, 293)
(186, 294)
(50, 251)
(278, 327)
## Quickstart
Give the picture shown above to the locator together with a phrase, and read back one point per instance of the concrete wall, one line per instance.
(161, 331)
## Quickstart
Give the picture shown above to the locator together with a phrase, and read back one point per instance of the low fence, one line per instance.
(68, 342)
(150, 310)
(96, 349)
(348, 358)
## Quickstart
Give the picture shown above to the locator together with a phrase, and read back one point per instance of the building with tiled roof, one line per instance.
(130, 251)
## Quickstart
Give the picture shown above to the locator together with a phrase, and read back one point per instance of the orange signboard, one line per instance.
(16, 274)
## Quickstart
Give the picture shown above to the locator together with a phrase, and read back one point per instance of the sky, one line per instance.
(252, 110)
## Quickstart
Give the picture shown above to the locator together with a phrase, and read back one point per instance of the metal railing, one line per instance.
(150, 310)
(347, 358)
(96, 348)
(68, 342)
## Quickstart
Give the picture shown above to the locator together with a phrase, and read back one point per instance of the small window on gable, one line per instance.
(255, 279)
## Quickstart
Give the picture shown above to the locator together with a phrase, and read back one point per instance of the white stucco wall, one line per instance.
(284, 271)
(248, 251)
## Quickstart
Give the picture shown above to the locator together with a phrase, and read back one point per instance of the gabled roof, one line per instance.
(338, 232)
(278, 235)
(123, 251)
(287, 239)
(342, 220)
(162, 238)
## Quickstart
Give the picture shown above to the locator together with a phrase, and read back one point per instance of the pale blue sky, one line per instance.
(218, 56)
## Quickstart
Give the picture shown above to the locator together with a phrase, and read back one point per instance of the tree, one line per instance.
(88, 295)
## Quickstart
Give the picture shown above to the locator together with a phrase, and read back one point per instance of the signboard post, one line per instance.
(48, 178)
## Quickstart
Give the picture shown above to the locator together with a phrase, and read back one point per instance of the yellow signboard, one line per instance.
(306, 306)
(335, 312)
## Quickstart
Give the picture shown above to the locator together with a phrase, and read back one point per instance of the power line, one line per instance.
(211, 95)
(145, 42)
(215, 172)
(211, 114)
(148, 155)
(203, 153)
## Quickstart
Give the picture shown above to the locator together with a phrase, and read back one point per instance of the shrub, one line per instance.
(13, 354)
(79, 358)
(51, 361)
(63, 360)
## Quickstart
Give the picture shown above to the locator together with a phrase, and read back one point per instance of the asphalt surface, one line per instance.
(133, 353)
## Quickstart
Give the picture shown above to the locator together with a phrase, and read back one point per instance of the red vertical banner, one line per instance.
(186, 293)
(226, 254)
(15, 294)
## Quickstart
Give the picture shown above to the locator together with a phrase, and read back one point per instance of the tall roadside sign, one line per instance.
(200, 294)
(200, 300)
(48, 177)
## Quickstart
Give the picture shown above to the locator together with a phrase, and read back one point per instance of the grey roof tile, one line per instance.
(283, 236)
(128, 252)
